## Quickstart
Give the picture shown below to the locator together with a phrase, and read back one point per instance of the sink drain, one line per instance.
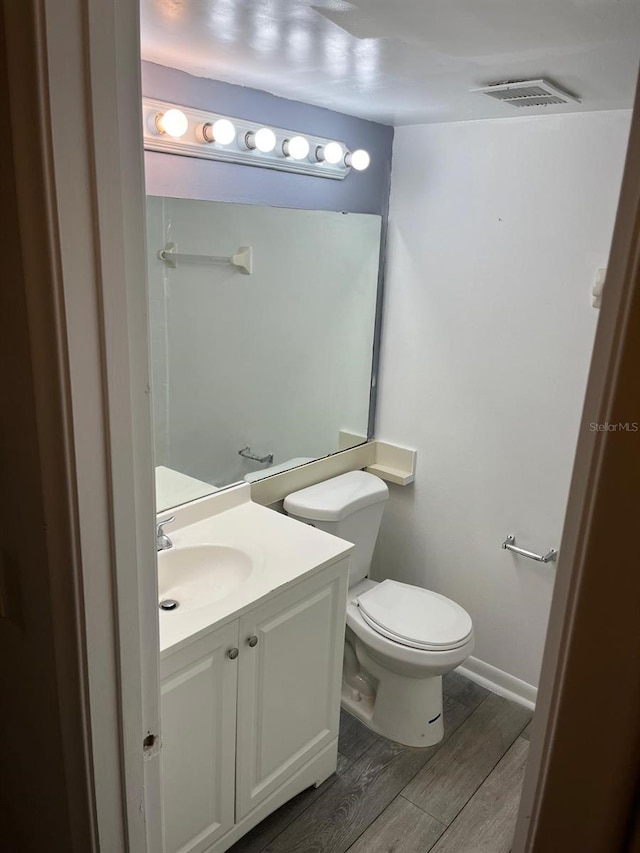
(169, 604)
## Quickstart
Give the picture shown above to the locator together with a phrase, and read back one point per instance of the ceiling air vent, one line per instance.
(528, 93)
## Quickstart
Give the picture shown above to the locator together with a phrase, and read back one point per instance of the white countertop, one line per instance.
(282, 551)
(174, 488)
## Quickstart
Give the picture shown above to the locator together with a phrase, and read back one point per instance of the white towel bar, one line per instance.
(243, 258)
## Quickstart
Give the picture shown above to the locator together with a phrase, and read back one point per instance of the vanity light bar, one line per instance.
(189, 132)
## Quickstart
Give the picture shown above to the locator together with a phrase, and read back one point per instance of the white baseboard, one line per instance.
(500, 682)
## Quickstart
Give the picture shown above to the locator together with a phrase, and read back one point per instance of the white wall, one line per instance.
(496, 231)
(279, 360)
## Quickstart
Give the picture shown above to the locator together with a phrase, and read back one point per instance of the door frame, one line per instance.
(73, 69)
(83, 101)
(583, 775)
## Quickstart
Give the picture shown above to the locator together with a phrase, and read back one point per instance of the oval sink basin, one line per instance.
(197, 575)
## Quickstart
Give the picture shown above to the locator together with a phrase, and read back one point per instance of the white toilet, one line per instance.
(400, 639)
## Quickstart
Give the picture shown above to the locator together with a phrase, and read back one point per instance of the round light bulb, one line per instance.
(264, 140)
(358, 160)
(174, 123)
(221, 131)
(332, 153)
(297, 147)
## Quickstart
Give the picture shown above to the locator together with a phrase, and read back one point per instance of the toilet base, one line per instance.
(406, 710)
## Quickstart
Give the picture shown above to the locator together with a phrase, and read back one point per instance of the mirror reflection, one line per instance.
(262, 333)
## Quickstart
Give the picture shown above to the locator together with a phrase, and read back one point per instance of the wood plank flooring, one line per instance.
(460, 796)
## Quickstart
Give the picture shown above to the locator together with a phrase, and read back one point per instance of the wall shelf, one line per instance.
(393, 464)
(391, 475)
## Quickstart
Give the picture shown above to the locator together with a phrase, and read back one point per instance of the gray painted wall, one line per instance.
(188, 177)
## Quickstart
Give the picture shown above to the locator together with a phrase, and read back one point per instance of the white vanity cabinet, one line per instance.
(198, 705)
(250, 713)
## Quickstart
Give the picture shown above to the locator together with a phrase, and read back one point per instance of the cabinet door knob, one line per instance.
(253, 641)
(233, 653)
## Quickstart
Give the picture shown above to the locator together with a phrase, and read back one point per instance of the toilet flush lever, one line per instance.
(510, 545)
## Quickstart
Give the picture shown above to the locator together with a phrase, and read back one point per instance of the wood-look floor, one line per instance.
(460, 796)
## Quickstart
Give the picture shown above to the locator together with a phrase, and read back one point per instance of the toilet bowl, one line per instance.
(400, 639)
(406, 705)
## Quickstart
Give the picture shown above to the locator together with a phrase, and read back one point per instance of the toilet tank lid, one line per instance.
(337, 498)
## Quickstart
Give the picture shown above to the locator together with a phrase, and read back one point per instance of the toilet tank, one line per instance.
(349, 506)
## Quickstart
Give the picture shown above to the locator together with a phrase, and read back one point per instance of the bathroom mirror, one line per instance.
(262, 334)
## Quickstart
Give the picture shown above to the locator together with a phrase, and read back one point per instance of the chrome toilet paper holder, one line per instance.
(510, 545)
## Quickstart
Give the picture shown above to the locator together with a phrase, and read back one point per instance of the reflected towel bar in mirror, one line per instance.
(510, 545)
(247, 454)
(242, 260)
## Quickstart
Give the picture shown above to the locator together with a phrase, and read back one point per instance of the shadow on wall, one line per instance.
(397, 531)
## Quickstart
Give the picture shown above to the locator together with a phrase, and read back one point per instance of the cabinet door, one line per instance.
(198, 706)
(289, 683)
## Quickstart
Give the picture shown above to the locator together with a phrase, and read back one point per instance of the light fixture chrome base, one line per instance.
(193, 144)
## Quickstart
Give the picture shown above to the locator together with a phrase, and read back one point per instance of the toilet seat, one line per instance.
(415, 617)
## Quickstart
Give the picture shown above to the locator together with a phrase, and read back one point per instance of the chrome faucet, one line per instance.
(162, 540)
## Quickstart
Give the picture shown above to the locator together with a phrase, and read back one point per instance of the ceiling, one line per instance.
(403, 61)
